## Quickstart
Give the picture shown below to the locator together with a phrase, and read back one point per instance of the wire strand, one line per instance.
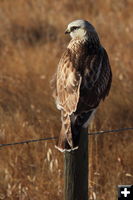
(110, 131)
(54, 138)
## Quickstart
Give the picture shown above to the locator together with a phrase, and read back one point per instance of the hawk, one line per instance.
(82, 80)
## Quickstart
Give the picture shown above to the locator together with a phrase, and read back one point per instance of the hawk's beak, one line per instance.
(67, 31)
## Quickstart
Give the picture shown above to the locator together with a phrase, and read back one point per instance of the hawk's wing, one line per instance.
(96, 81)
(79, 90)
(68, 85)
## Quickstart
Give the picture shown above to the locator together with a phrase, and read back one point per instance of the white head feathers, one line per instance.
(79, 29)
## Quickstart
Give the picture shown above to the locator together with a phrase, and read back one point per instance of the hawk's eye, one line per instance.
(74, 28)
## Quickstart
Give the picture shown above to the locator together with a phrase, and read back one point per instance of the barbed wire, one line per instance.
(54, 138)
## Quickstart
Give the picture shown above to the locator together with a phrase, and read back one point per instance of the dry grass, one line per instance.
(31, 42)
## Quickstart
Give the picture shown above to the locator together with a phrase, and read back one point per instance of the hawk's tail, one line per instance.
(70, 133)
(66, 141)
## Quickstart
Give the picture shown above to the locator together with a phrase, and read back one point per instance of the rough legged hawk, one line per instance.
(82, 80)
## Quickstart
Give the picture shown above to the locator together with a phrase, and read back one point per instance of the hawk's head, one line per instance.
(80, 29)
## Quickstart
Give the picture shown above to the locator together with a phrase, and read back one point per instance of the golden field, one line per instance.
(31, 42)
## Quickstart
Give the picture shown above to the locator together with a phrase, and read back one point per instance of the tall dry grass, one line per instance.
(31, 42)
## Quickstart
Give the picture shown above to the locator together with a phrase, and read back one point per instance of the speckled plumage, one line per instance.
(82, 80)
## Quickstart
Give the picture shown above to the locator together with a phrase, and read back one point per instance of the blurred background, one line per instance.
(31, 42)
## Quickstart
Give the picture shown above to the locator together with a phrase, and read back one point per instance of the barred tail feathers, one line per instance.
(66, 138)
(69, 137)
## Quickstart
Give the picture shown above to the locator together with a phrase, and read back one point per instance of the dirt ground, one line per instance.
(31, 42)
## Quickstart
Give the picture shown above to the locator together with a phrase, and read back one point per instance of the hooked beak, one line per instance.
(67, 31)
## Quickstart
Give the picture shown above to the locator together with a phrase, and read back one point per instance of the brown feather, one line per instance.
(83, 79)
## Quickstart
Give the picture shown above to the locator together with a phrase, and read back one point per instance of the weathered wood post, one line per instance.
(76, 170)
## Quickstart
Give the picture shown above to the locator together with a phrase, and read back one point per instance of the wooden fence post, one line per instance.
(76, 170)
